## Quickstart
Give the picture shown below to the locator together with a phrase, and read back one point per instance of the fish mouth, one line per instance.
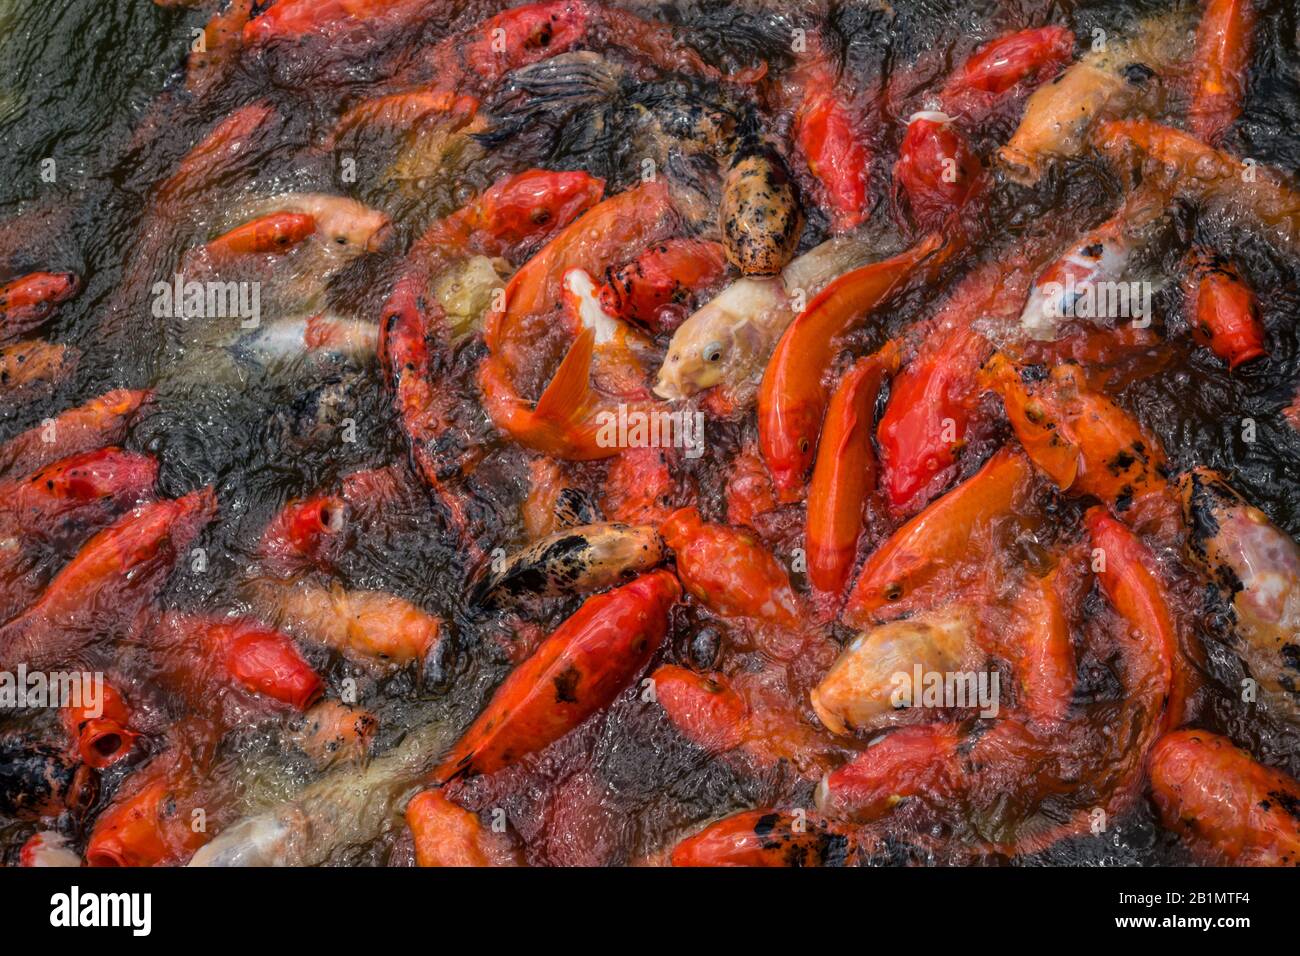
(668, 389)
(1018, 166)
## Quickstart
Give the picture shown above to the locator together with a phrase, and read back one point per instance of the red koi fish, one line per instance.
(936, 173)
(101, 421)
(657, 289)
(845, 473)
(1126, 571)
(1001, 68)
(1223, 310)
(562, 421)
(75, 490)
(770, 838)
(308, 532)
(152, 819)
(573, 674)
(114, 576)
(792, 398)
(448, 835)
(202, 653)
(728, 571)
(274, 234)
(28, 301)
(1223, 46)
(912, 556)
(1233, 809)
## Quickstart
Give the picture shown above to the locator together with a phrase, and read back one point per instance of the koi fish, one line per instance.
(1232, 808)
(331, 732)
(308, 532)
(1082, 440)
(826, 133)
(150, 821)
(573, 560)
(1223, 310)
(1122, 78)
(856, 694)
(48, 849)
(293, 20)
(792, 398)
(371, 625)
(728, 341)
(74, 492)
(1223, 47)
(101, 421)
(845, 473)
(936, 173)
(766, 838)
(655, 289)
(994, 72)
(203, 652)
(113, 576)
(223, 37)
(760, 215)
(1255, 566)
(912, 556)
(345, 227)
(728, 571)
(533, 32)
(573, 674)
(349, 806)
(1098, 260)
(1187, 167)
(38, 781)
(274, 233)
(29, 300)
(32, 369)
(1128, 578)
(448, 835)
(927, 420)
(562, 422)
(640, 488)
(103, 739)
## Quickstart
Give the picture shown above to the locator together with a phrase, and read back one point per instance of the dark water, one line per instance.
(97, 87)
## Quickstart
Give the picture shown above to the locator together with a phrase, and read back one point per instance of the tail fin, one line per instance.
(568, 396)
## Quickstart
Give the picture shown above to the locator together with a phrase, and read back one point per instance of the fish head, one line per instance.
(694, 364)
(724, 342)
(351, 229)
(537, 202)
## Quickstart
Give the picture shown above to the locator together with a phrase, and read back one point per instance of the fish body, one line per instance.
(1233, 809)
(576, 672)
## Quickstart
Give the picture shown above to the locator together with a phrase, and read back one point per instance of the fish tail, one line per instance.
(568, 396)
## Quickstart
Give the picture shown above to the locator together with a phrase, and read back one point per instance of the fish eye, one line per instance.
(341, 240)
(713, 352)
(803, 446)
(541, 216)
